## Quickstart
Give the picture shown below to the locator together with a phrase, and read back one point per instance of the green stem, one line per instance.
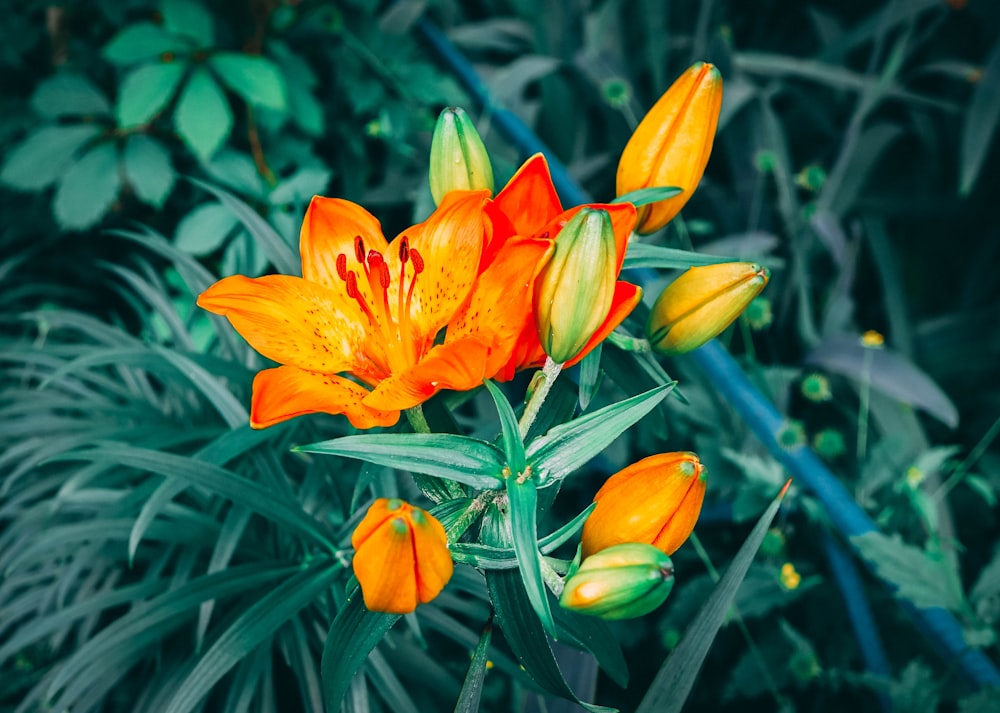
(865, 398)
(437, 489)
(552, 579)
(472, 512)
(549, 373)
(629, 344)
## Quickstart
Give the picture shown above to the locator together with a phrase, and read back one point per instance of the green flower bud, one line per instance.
(620, 582)
(459, 161)
(574, 292)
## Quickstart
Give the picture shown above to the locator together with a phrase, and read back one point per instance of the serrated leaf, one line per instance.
(921, 580)
(981, 119)
(676, 677)
(442, 455)
(352, 636)
(148, 169)
(513, 446)
(188, 19)
(568, 446)
(88, 188)
(472, 687)
(203, 117)
(67, 94)
(523, 499)
(145, 91)
(641, 255)
(254, 78)
(42, 157)
(258, 622)
(204, 229)
(139, 42)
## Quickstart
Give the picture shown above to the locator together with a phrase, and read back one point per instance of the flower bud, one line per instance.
(701, 303)
(574, 292)
(621, 582)
(671, 145)
(459, 161)
(655, 501)
(401, 556)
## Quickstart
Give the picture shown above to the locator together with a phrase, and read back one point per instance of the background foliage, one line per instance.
(149, 148)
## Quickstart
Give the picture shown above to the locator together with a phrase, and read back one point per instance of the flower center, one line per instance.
(392, 325)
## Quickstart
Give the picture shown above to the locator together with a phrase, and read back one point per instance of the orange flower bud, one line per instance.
(401, 556)
(671, 145)
(702, 302)
(656, 501)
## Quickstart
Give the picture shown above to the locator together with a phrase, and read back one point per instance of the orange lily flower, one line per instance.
(401, 556)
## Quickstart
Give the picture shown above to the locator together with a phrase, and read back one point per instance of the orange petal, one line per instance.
(378, 512)
(328, 230)
(500, 304)
(292, 321)
(430, 544)
(529, 199)
(385, 567)
(287, 391)
(450, 243)
(458, 365)
(626, 297)
(678, 528)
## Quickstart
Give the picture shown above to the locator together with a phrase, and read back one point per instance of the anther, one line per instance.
(404, 249)
(342, 266)
(359, 248)
(352, 285)
(383, 275)
(418, 261)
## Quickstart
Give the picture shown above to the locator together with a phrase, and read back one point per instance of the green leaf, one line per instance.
(570, 445)
(301, 186)
(148, 169)
(203, 117)
(67, 94)
(594, 635)
(443, 455)
(352, 636)
(303, 107)
(139, 42)
(256, 624)
(88, 188)
(590, 376)
(145, 91)
(523, 499)
(677, 675)
(254, 78)
(645, 255)
(513, 446)
(204, 229)
(472, 687)
(644, 196)
(42, 157)
(981, 120)
(188, 19)
(920, 579)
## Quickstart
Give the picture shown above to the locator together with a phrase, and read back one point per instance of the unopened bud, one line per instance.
(621, 582)
(459, 160)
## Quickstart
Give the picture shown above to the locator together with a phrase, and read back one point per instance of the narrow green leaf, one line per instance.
(189, 19)
(523, 499)
(981, 120)
(645, 255)
(590, 376)
(352, 636)
(570, 445)
(593, 635)
(88, 188)
(644, 196)
(677, 675)
(443, 455)
(256, 624)
(140, 42)
(254, 78)
(67, 94)
(203, 117)
(146, 90)
(513, 446)
(148, 169)
(204, 229)
(44, 155)
(472, 688)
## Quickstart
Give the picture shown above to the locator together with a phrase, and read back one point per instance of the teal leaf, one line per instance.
(190, 19)
(523, 499)
(236, 171)
(645, 255)
(203, 117)
(568, 446)
(513, 446)
(44, 156)
(644, 196)
(301, 186)
(981, 120)
(472, 687)
(590, 376)
(148, 169)
(442, 455)
(140, 42)
(352, 636)
(256, 79)
(67, 94)
(919, 578)
(88, 188)
(676, 677)
(594, 635)
(204, 229)
(306, 111)
(145, 91)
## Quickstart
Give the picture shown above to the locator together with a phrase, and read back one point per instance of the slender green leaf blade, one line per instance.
(644, 196)
(645, 255)
(981, 121)
(472, 688)
(523, 499)
(513, 445)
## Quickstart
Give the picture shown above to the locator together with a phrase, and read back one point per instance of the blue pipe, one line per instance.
(732, 383)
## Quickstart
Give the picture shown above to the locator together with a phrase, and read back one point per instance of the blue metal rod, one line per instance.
(732, 383)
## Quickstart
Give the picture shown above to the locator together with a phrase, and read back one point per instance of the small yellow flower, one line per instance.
(872, 339)
(401, 556)
(914, 476)
(790, 579)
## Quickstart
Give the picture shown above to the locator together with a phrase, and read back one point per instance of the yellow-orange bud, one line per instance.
(656, 501)
(459, 160)
(574, 292)
(401, 556)
(671, 145)
(621, 582)
(701, 303)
